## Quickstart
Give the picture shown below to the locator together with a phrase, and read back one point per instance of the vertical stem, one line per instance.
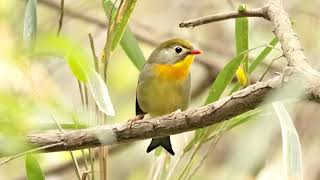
(61, 17)
(74, 160)
(97, 114)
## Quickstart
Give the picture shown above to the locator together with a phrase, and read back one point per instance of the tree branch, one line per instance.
(259, 12)
(289, 40)
(174, 123)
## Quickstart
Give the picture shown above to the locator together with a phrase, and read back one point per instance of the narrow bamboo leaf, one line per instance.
(223, 79)
(292, 157)
(100, 93)
(128, 41)
(30, 25)
(33, 169)
(266, 51)
(121, 21)
(252, 67)
(130, 45)
(77, 69)
(242, 45)
(197, 136)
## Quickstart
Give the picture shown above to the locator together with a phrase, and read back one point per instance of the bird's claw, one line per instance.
(132, 121)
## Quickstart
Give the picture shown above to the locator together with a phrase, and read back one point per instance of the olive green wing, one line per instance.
(138, 108)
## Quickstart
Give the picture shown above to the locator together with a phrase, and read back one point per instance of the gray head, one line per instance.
(172, 51)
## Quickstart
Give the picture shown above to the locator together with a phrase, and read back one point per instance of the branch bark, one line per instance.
(174, 123)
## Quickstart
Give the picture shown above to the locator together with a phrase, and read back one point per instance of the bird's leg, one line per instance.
(133, 120)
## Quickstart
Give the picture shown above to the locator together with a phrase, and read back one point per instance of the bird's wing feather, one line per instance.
(138, 108)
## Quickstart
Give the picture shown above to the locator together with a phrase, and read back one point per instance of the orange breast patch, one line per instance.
(178, 71)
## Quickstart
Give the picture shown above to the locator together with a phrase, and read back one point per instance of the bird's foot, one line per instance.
(133, 120)
(176, 113)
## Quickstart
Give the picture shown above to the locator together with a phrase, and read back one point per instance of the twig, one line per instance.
(61, 17)
(272, 61)
(31, 151)
(93, 51)
(259, 12)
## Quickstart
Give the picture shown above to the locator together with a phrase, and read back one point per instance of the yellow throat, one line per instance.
(177, 71)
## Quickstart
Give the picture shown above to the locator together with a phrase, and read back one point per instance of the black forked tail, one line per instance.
(164, 142)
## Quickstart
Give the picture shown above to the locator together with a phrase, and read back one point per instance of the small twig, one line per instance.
(61, 17)
(93, 51)
(31, 151)
(259, 12)
(81, 92)
(268, 68)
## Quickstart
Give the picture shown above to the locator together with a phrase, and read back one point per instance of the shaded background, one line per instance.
(250, 151)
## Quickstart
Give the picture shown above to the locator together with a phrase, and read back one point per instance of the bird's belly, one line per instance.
(158, 98)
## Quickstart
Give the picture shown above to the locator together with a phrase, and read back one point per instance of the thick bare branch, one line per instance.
(289, 40)
(228, 107)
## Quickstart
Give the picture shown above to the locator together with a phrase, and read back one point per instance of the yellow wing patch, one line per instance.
(178, 71)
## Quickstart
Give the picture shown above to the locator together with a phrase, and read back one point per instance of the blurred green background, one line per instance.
(34, 90)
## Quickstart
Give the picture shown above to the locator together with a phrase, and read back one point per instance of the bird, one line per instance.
(164, 83)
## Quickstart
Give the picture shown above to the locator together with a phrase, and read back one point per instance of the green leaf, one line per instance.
(33, 169)
(130, 45)
(121, 21)
(100, 92)
(242, 45)
(117, 25)
(291, 148)
(242, 8)
(197, 136)
(30, 25)
(266, 51)
(82, 67)
(223, 79)
(128, 41)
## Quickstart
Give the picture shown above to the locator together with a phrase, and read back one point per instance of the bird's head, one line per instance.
(172, 59)
(173, 51)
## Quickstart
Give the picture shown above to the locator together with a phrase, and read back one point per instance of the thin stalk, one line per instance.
(159, 168)
(186, 167)
(174, 167)
(152, 169)
(91, 156)
(96, 66)
(84, 102)
(268, 68)
(61, 17)
(28, 152)
(74, 160)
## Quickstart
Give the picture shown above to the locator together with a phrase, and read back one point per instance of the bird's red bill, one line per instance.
(196, 51)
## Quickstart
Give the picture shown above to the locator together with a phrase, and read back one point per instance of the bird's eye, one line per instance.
(178, 49)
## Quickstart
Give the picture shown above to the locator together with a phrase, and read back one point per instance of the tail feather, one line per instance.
(164, 142)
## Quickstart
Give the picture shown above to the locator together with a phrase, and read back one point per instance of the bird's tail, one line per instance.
(164, 142)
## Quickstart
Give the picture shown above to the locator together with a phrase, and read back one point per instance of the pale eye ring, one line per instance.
(178, 49)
